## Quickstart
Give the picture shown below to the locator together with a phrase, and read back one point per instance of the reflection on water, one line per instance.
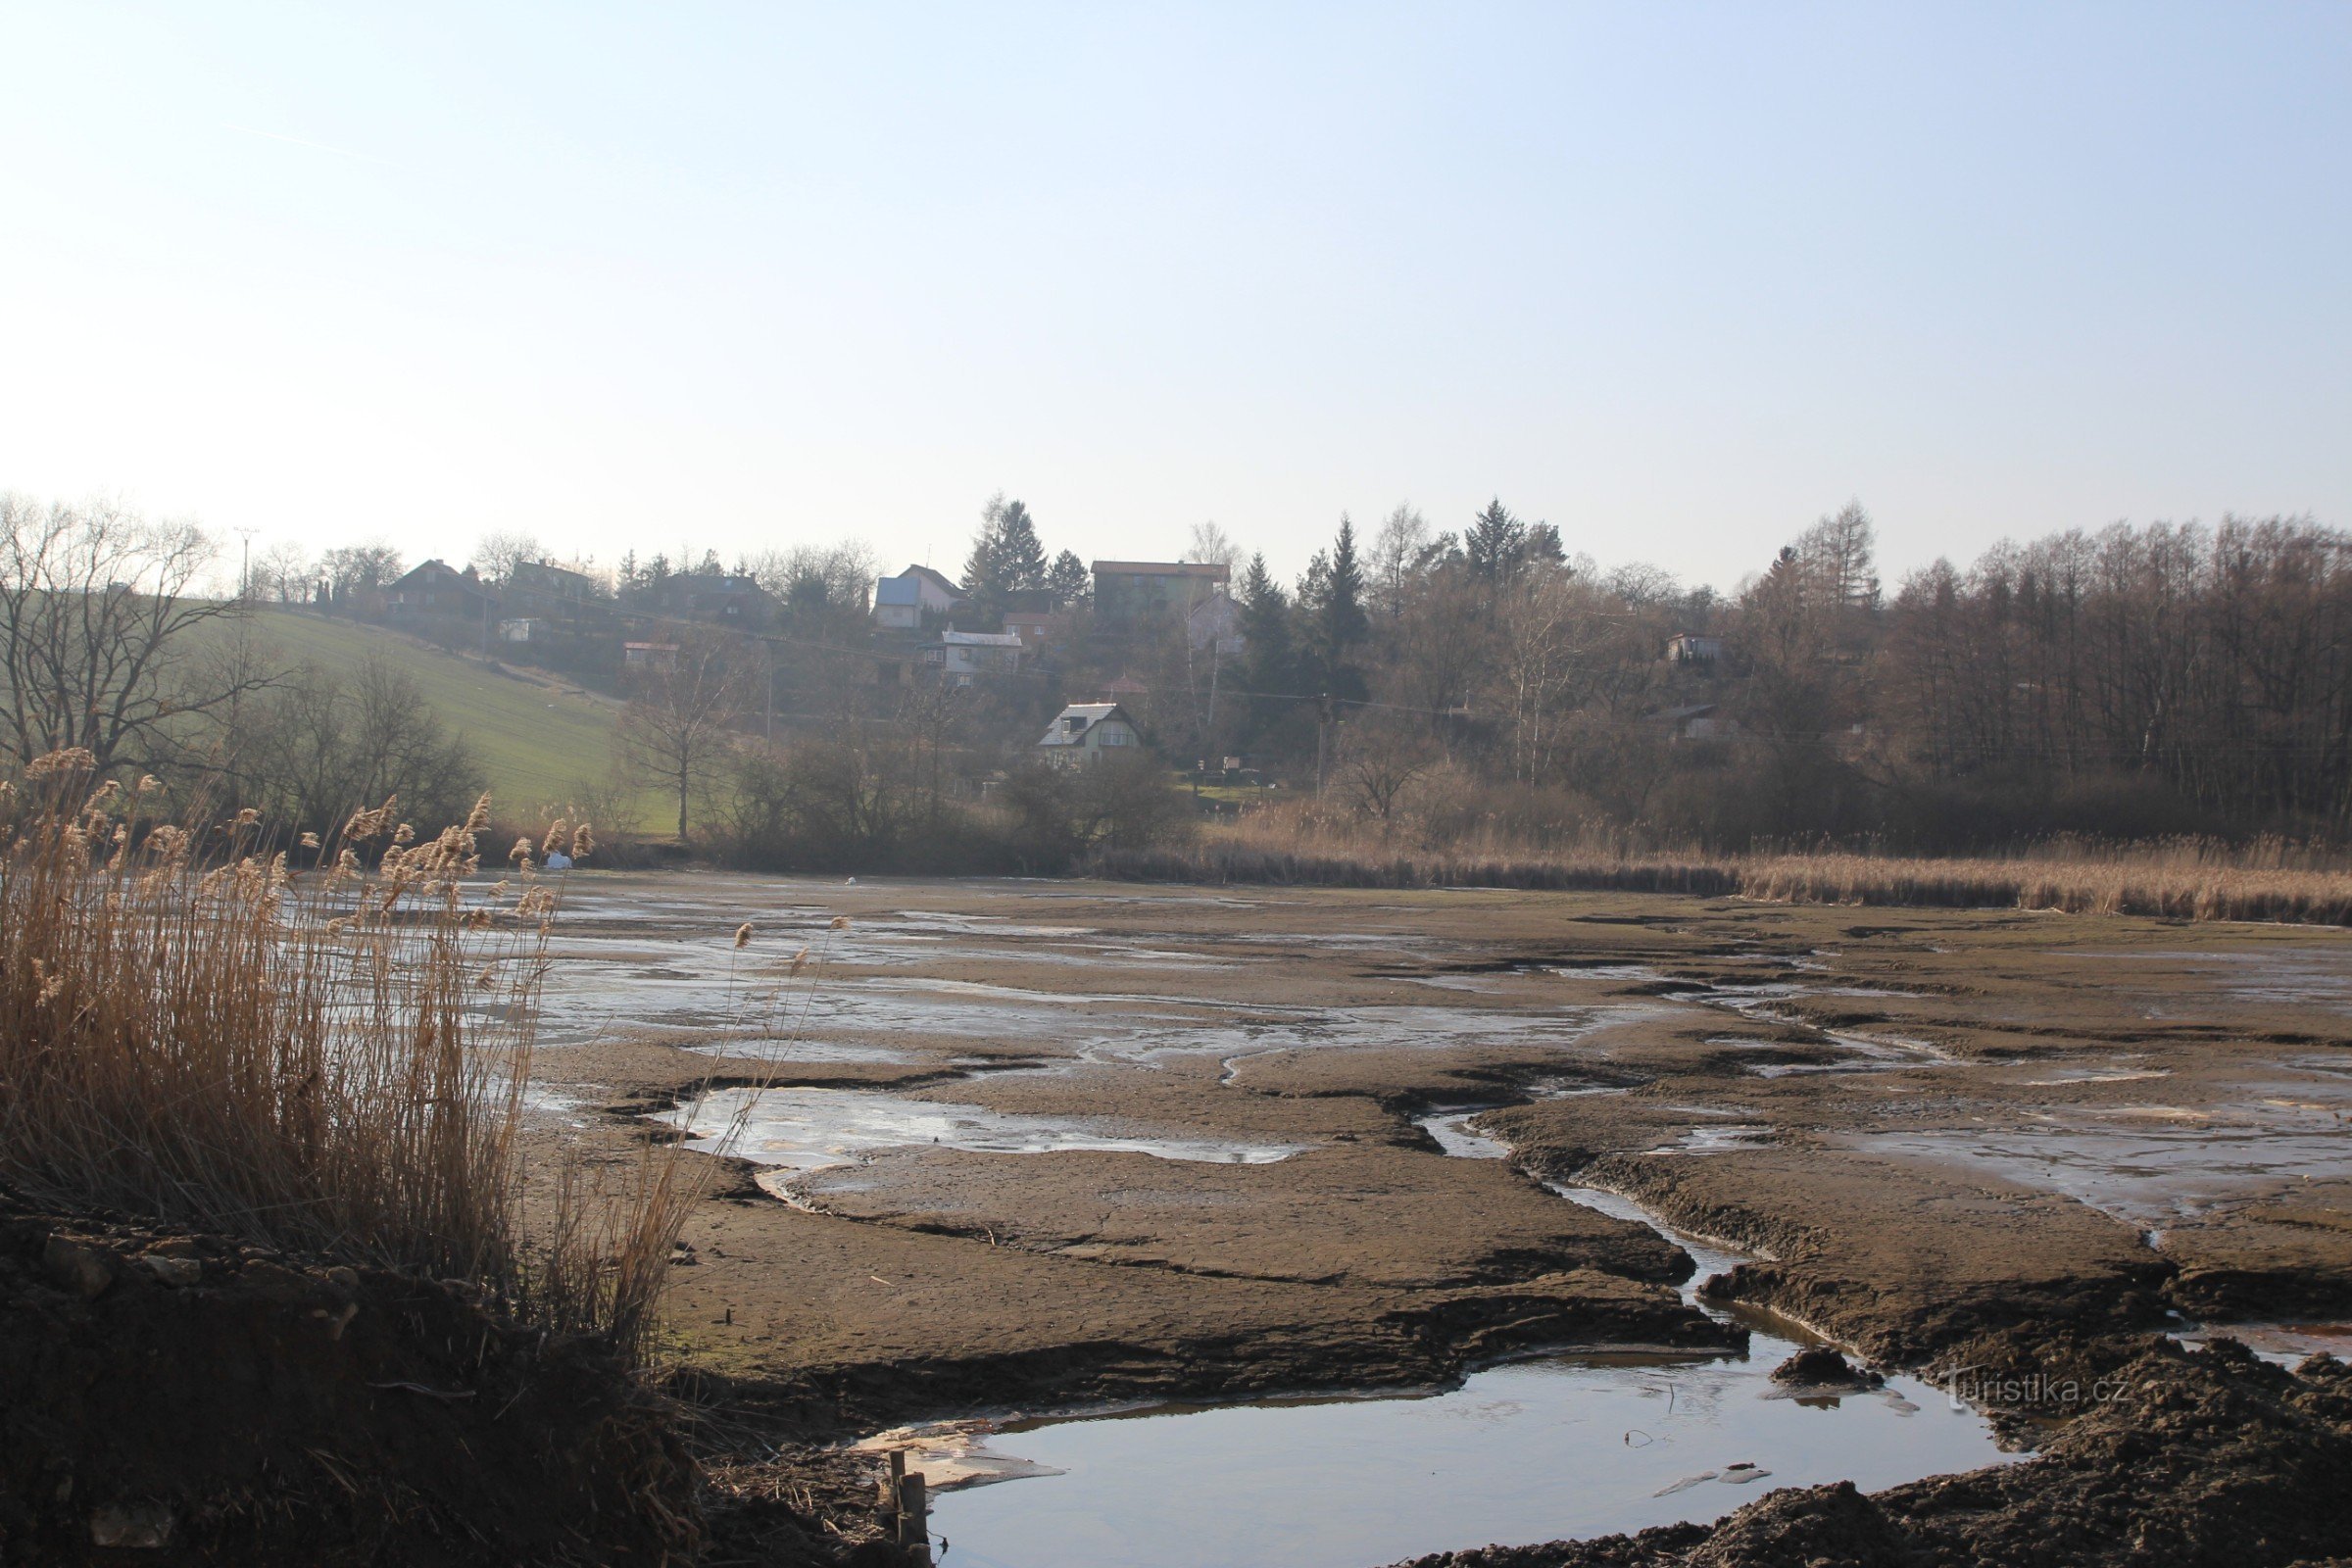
(1565, 1447)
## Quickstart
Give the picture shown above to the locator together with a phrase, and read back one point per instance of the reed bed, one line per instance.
(334, 1063)
(2187, 879)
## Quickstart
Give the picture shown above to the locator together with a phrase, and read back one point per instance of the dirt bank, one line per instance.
(170, 1398)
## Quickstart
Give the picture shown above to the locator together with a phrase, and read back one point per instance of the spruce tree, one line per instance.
(1067, 580)
(1341, 624)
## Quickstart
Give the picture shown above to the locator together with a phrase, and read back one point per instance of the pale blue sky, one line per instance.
(1675, 278)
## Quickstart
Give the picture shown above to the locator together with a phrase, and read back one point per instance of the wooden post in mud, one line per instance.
(915, 1517)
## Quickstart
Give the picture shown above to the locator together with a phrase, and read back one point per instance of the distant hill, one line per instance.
(540, 737)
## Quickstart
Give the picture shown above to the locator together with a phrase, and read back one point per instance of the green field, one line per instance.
(540, 737)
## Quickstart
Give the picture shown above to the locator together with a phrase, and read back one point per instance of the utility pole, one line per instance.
(1322, 737)
(244, 564)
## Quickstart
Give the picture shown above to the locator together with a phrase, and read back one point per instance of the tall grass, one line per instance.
(334, 1063)
(2194, 879)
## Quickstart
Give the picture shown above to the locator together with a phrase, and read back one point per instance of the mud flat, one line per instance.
(1203, 1144)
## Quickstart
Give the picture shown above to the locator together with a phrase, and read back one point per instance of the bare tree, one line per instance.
(284, 574)
(1384, 760)
(674, 732)
(359, 568)
(1397, 548)
(498, 554)
(1213, 545)
(95, 616)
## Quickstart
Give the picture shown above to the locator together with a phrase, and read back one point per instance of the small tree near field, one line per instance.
(674, 732)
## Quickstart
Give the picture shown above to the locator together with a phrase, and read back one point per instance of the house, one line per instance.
(438, 590)
(1697, 721)
(1083, 733)
(1127, 592)
(962, 656)
(1216, 623)
(648, 655)
(727, 598)
(535, 588)
(1038, 629)
(1689, 647)
(902, 603)
(522, 629)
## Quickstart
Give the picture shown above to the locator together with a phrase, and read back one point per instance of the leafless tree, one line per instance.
(96, 617)
(498, 554)
(1397, 548)
(360, 569)
(284, 574)
(1213, 545)
(1385, 759)
(675, 731)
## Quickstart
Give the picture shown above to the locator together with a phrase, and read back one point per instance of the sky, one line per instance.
(1677, 279)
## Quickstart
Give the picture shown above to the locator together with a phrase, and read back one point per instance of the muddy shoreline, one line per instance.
(1051, 1147)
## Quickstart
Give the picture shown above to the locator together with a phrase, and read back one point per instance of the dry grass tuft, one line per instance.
(333, 1063)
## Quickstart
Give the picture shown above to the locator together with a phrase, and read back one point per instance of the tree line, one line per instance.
(2134, 681)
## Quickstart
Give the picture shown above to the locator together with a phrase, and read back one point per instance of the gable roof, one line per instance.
(1096, 714)
(934, 580)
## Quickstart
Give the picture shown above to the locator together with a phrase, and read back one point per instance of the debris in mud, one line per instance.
(1821, 1367)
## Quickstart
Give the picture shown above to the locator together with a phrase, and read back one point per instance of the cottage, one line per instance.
(1084, 732)
(729, 599)
(522, 629)
(1697, 721)
(902, 603)
(1216, 623)
(964, 657)
(438, 590)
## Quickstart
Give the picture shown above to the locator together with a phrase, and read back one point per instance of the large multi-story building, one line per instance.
(1127, 592)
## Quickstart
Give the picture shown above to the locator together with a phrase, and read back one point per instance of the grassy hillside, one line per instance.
(540, 738)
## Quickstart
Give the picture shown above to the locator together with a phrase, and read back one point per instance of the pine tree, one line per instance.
(1270, 662)
(1067, 580)
(1495, 543)
(1007, 559)
(1019, 554)
(1340, 622)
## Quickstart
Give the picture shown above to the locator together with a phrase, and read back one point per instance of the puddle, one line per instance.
(1717, 1140)
(802, 1130)
(1453, 1134)
(2283, 1343)
(2147, 1165)
(807, 1050)
(1566, 1447)
(1571, 1446)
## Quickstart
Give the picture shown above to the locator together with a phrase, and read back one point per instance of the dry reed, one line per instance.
(2190, 879)
(333, 1063)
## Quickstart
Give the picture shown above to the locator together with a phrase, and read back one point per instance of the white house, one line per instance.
(1216, 621)
(522, 629)
(1084, 731)
(900, 603)
(964, 657)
